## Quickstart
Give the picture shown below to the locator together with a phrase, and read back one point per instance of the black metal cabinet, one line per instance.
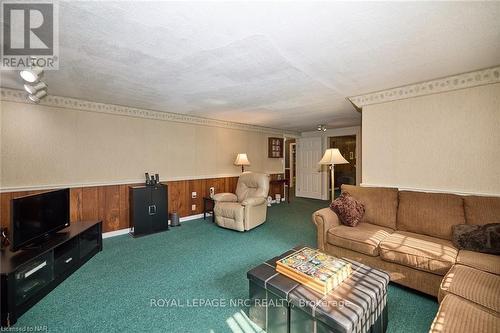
(148, 209)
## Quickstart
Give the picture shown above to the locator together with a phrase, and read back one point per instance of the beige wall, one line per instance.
(49, 146)
(443, 142)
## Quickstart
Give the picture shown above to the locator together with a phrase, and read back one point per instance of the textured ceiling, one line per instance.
(282, 65)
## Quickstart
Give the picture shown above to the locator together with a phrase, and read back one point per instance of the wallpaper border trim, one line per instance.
(20, 96)
(454, 82)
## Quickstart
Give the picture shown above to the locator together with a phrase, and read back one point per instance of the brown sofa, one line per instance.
(408, 234)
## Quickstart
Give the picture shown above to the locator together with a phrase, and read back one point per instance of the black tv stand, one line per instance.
(31, 273)
(32, 246)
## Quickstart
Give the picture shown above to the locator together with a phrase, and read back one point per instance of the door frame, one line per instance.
(329, 143)
(355, 130)
(292, 166)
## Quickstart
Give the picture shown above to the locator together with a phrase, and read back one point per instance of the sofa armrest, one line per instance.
(225, 197)
(255, 201)
(324, 219)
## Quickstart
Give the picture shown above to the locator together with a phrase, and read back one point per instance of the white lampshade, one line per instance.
(33, 88)
(242, 159)
(333, 156)
(32, 75)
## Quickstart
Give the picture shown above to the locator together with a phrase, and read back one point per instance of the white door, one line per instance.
(308, 170)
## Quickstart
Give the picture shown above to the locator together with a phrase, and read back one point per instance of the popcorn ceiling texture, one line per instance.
(20, 96)
(280, 65)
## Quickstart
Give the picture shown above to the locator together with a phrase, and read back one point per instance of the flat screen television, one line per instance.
(35, 217)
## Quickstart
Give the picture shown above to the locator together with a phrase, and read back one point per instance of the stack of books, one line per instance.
(314, 269)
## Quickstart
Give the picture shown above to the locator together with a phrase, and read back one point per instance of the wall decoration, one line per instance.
(275, 146)
(449, 83)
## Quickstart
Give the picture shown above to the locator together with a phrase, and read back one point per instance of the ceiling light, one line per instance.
(36, 98)
(33, 88)
(322, 128)
(32, 75)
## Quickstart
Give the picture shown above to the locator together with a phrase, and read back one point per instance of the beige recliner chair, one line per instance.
(248, 207)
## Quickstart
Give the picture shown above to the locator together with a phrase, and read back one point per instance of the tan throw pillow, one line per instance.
(349, 210)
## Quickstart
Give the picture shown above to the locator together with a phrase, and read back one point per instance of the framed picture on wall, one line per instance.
(275, 147)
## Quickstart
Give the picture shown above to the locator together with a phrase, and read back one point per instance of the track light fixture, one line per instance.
(34, 88)
(36, 98)
(32, 75)
(321, 128)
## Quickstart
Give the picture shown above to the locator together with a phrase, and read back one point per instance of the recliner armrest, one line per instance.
(324, 219)
(255, 201)
(225, 197)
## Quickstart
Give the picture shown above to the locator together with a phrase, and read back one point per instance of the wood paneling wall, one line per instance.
(111, 203)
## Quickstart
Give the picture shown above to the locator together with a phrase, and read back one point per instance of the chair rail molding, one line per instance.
(454, 82)
(19, 96)
(432, 190)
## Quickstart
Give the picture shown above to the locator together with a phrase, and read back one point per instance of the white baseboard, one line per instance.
(127, 230)
(115, 233)
(189, 218)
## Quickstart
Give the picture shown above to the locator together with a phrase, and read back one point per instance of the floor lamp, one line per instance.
(331, 157)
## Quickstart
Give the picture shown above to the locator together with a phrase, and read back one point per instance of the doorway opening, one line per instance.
(290, 163)
(344, 173)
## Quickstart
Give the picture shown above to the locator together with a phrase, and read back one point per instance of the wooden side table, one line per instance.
(208, 207)
(285, 185)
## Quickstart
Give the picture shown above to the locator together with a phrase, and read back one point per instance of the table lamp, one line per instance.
(242, 159)
(331, 157)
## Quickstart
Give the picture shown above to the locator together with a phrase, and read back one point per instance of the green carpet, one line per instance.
(195, 262)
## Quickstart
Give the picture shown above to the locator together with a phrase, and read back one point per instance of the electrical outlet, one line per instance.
(193, 207)
(193, 195)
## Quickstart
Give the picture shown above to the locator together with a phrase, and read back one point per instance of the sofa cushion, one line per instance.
(457, 315)
(348, 209)
(363, 238)
(425, 253)
(482, 210)
(472, 284)
(482, 261)
(431, 214)
(381, 204)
